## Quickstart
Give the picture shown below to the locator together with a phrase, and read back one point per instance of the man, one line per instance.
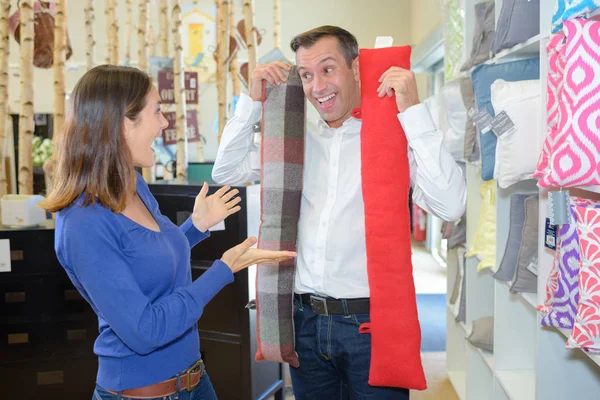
(334, 356)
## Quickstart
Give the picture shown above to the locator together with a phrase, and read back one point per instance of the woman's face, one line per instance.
(140, 134)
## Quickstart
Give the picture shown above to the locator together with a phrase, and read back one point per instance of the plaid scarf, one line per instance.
(394, 326)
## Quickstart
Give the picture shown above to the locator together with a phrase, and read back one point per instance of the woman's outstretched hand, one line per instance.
(243, 255)
(209, 211)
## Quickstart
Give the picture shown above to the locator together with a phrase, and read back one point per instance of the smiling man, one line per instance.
(334, 356)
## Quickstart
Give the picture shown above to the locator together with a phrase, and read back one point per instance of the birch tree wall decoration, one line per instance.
(142, 36)
(233, 64)
(108, 7)
(250, 36)
(129, 31)
(60, 53)
(164, 28)
(25, 178)
(89, 31)
(179, 91)
(4, 52)
(276, 24)
(222, 66)
(114, 26)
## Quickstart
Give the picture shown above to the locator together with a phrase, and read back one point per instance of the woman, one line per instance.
(130, 262)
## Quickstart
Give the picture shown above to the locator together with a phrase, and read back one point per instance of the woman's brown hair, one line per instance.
(91, 154)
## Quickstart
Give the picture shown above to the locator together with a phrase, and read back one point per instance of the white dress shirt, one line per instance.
(332, 257)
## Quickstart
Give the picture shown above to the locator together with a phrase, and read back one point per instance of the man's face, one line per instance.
(329, 84)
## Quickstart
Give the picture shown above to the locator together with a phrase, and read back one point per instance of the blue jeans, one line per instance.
(334, 358)
(204, 391)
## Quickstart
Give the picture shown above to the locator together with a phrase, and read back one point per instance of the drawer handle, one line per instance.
(15, 297)
(18, 338)
(76, 334)
(50, 378)
(16, 255)
(72, 295)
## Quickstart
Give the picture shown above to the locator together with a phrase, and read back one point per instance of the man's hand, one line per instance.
(272, 73)
(402, 82)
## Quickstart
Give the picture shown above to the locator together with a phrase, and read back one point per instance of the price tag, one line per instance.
(533, 265)
(503, 125)
(558, 207)
(550, 241)
(483, 121)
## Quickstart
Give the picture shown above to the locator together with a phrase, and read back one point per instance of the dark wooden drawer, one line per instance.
(32, 251)
(29, 340)
(36, 295)
(63, 379)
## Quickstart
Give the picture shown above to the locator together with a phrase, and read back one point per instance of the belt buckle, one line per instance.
(319, 305)
(200, 365)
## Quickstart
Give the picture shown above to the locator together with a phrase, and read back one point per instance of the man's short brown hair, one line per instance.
(346, 40)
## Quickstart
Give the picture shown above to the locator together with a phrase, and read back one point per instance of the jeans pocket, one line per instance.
(359, 319)
(297, 305)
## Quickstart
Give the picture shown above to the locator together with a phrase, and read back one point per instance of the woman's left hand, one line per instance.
(209, 211)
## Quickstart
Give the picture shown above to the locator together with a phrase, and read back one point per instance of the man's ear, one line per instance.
(356, 69)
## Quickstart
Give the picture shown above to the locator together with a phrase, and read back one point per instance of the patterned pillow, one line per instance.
(568, 9)
(556, 61)
(518, 21)
(575, 157)
(484, 246)
(562, 292)
(517, 152)
(483, 77)
(453, 21)
(586, 329)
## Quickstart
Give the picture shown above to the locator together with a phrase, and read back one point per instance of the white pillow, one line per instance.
(517, 152)
(456, 117)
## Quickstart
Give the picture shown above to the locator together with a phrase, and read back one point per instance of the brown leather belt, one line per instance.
(187, 381)
(328, 306)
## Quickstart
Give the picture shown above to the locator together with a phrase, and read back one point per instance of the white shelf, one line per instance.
(461, 324)
(459, 383)
(530, 298)
(488, 357)
(594, 357)
(530, 48)
(518, 384)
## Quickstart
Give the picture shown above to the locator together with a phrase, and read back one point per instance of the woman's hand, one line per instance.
(242, 256)
(209, 211)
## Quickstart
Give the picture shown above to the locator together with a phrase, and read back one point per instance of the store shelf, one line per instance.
(459, 383)
(530, 48)
(530, 298)
(594, 357)
(461, 324)
(488, 357)
(518, 384)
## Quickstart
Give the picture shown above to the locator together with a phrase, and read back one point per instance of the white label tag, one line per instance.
(533, 265)
(5, 255)
(502, 124)
(383, 41)
(483, 121)
(218, 227)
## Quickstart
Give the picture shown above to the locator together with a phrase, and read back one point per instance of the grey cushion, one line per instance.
(471, 151)
(460, 270)
(459, 234)
(483, 37)
(508, 265)
(482, 333)
(525, 280)
(461, 315)
(518, 21)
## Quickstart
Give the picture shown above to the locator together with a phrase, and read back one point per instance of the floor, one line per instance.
(430, 278)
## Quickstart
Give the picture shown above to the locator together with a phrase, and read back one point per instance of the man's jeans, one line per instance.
(334, 358)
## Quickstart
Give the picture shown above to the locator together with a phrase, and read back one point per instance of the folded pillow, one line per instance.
(482, 333)
(508, 265)
(526, 281)
(484, 245)
(462, 295)
(517, 151)
(471, 150)
(457, 287)
(456, 117)
(485, 24)
(518, 21)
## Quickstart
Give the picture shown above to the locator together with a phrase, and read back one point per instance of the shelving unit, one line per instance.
(529, 361)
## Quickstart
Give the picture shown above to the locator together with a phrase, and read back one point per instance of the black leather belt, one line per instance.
(328, 306)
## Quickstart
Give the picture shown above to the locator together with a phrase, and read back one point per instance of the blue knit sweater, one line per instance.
(139, 283)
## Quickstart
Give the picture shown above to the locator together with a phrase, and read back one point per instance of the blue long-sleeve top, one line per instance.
(139, 283)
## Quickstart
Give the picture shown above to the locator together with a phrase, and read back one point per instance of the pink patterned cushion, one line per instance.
(556, 61)
(586, 330)
(575, 151)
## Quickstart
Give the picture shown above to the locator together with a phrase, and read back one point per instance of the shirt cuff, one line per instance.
(247, 108)
(194, 235)
(416, 120)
